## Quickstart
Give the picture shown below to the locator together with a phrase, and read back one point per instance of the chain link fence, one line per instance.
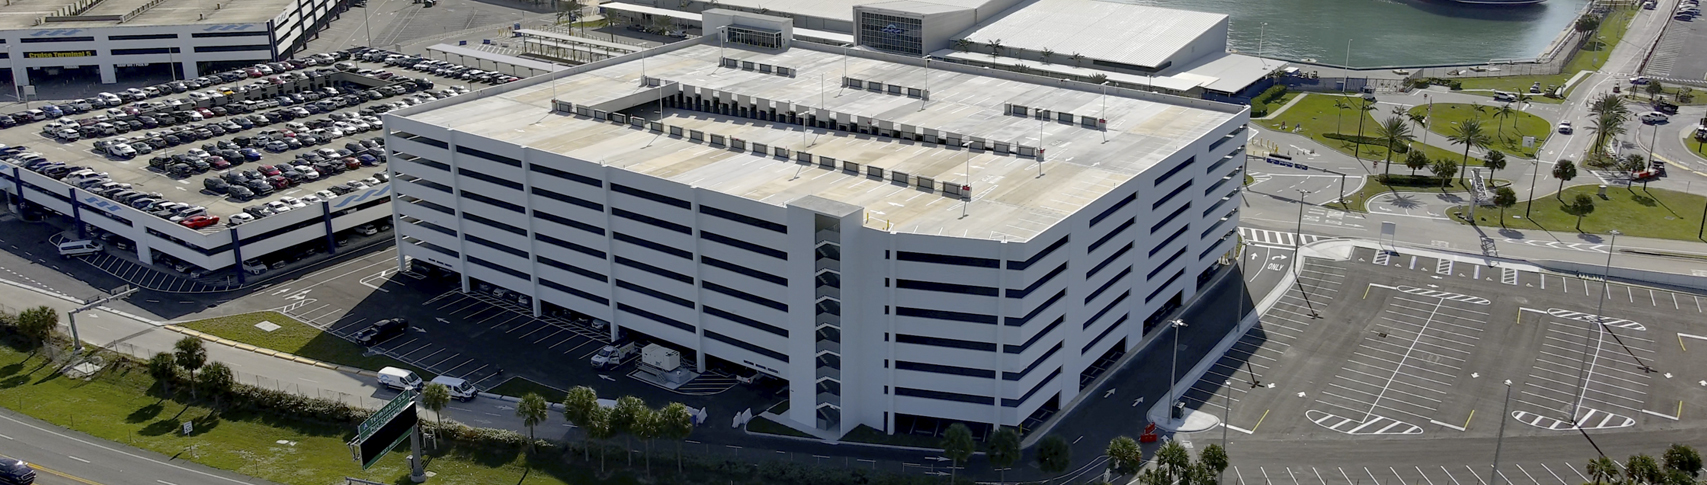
(264, 382)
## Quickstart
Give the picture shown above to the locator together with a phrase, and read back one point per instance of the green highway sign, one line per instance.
(384, 414)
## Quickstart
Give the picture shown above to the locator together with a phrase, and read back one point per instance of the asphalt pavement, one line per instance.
(64, 457)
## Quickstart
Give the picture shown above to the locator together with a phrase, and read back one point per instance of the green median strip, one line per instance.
(1633, 211)
(296, 338)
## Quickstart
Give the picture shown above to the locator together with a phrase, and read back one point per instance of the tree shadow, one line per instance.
(161, 427)
(1450, 198)
(145, 413)
(1593, 238)
(1511, 233)
(1644, 200)
(1404, 201)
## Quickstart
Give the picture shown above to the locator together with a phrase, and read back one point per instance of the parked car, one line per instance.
(381, 331)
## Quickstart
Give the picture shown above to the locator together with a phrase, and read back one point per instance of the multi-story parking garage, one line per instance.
(44, 40)
(896, 239)
(220, 249)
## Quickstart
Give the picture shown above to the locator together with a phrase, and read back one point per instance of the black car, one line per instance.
(215, 185)
(381, 331)
(241, 193)
(16, 472)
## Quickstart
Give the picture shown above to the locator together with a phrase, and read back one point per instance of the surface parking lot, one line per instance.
(473, 336)
(1410, 347)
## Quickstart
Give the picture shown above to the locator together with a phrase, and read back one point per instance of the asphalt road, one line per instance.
(63, 457)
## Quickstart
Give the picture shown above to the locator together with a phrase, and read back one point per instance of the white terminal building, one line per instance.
(895, 239)
(79, 41)
(1099, 41)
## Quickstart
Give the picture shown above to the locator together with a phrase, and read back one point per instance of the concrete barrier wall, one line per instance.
(1626, 274)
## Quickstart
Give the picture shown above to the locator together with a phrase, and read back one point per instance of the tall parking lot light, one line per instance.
(1173, 369)
(1297, 267)
(1494, 475)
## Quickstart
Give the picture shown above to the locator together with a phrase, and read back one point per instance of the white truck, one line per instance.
(612, 355)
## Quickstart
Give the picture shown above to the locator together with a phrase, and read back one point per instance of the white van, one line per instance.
(85, 247)
(459, 389)
(398, 379)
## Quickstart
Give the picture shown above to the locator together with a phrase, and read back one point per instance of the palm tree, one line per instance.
(995, 47)
(435, 397)
(1416, 160)
(1339, 114)
(962, 45)
(1602, 470)
(216, 379)
(1395, 132)
(1606, 128)
(533, 410)
(676, 422)
(1004, 451)
(1564, 171)
(1494, 160)
(624, 417)
(1047, 55)
(957, 445)
(645, 427)
(1076, 57)
(1054, 455)
(1585, 24)
(191, 355)
(1444, 169)
(1503, 113)
(599, 427)
(1124, 456)
(1504, 197)
(579, 405)
(163, 368)
(1421, 120)
(1362, 106)
(1468, 133)
(1173, 461)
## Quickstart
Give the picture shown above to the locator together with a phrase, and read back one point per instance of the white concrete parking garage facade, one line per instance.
(799, 210)
(40, 38)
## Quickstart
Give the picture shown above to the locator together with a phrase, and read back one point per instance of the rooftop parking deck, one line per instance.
(1015, 196)
(22, 14)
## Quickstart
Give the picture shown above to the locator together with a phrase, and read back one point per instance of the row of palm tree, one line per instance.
(189, 355)
(1610, 117)
(629, 417)
(1680, 465)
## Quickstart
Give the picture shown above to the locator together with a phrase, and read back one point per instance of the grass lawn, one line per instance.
(297, 338)
(1697, 96)
(518, 387)
(1403, 182)
(1590, 57)
(1656, 213)
(1317, 114)
(1281, 101)
(125, 406)
(1520, 124)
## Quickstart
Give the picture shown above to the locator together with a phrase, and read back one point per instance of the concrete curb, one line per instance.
(270, 352)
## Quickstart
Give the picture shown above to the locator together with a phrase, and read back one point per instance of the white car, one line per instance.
(238, 219)
(325, 195)
(197, 152)
(309, 199)
(293, 202)
(278, 207)
(1565, 127)
(1654, 117)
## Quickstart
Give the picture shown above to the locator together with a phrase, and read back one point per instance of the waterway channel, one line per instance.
(1387, 32)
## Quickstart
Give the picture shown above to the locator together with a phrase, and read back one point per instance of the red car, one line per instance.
(198, 222)
(279, 182)
(218, 163)
(268, 170)
(206, 113)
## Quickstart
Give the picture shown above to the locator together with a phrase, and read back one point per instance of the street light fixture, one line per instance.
(1173, 369)
(1494, 474)
(1297, 240)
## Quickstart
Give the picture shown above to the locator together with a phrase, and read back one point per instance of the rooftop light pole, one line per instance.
(965, 198)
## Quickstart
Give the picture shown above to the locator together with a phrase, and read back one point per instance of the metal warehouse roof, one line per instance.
(1120, 32)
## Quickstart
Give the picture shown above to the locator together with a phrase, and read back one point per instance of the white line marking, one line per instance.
(1459, 428)
(76, 458)
(1673, 418)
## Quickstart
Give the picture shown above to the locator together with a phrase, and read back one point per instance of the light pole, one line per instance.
(1261, 36)
(1226, 413)
(1297, 241)
(366, 27)
(71, 316)
(966, 199)
(1494, 475)
(1173, 369)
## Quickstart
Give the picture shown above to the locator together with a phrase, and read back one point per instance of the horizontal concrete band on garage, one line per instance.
(212, 248)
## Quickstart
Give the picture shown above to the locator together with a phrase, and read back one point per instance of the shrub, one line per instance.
(1455, 85)
(1270, 95)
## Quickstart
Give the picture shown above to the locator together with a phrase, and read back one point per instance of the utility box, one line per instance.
(660, 357)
